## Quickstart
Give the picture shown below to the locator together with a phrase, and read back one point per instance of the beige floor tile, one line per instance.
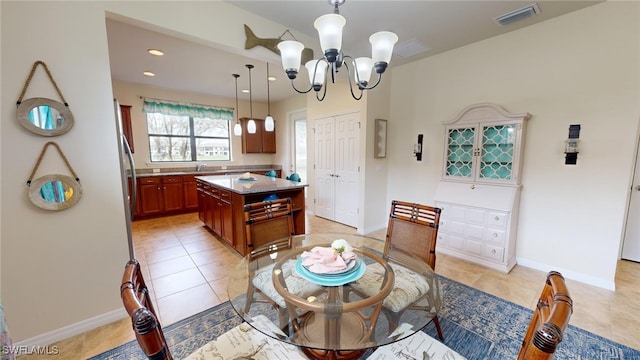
(177, 282)
(186, 303)
(171, 266)
(154, 256)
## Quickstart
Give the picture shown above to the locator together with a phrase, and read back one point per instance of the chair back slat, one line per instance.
(549, 320)
(137, 302)
(413, 229)
(267, 221)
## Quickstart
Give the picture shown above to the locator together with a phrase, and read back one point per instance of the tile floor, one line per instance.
(186, 267)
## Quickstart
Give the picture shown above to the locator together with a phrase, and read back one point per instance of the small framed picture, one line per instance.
(380, 139)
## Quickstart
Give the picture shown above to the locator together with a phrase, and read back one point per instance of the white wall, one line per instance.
(61, 270)
(581, 68)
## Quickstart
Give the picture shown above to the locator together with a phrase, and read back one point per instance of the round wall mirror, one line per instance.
(44, 116)
(55, 192)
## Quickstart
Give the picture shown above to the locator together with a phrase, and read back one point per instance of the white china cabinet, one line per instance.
(480, 188)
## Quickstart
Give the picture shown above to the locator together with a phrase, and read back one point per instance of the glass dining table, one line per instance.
(326, 314)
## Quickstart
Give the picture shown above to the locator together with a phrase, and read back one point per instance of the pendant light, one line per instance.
(237, 128)
(269, 123)
(251, 124)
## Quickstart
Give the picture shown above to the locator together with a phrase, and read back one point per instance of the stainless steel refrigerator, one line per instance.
(127, 171)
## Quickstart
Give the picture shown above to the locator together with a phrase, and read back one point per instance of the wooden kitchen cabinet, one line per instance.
(150, 194)
(190, 192)
(125, 114)
(259, 143)
(160, 194)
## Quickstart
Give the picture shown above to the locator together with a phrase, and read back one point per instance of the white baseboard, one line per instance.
(68, 331)
(569, 274)
(374, 228)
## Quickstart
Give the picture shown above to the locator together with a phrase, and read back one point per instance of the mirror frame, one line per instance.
(37, 200)
(23, 116)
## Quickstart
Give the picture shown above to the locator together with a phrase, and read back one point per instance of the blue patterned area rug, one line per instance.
(477, 325)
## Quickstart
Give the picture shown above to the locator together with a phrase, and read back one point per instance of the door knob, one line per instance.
(638, 187)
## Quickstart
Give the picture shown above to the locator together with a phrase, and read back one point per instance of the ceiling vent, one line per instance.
(517, 15)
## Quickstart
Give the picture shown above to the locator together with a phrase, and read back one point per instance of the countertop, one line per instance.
(262, 184)
(206, 171)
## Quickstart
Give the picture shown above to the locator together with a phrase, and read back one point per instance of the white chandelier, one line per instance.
(330, 32)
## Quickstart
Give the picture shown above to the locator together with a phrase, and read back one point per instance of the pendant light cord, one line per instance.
(250, 93)
(268, 94)
(237, 116)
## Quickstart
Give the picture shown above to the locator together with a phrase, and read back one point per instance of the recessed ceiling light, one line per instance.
(155, 52)
(271, 78)
(149, 73)
(246, 91)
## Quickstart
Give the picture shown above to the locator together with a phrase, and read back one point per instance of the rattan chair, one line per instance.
(549, 321)
(137, 302)
(269, 227)
(412, 230)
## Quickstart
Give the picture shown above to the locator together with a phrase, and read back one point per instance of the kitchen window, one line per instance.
(180, 132)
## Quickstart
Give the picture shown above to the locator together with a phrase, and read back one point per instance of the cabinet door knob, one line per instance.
(495, 234)
(493, 251)
(473, 186)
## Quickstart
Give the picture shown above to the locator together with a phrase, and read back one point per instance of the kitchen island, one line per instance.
(221, 200)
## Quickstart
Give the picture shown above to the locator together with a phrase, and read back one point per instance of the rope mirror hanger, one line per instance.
(42, 116)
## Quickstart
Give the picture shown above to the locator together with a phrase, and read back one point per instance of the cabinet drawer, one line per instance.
(451, 241)
(188, 178)
(496, 236)
(497, 219)
(225, 195)
(450, 211)
(149, 180)
(493, 252)
(474, 231)
(474, 247)
(454, 227)
(171, 179)
(476, 216)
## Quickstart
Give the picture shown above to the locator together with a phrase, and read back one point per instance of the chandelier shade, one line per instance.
(329, 29)
(330, 32)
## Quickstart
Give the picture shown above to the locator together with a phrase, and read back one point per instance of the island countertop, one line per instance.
(261, 184)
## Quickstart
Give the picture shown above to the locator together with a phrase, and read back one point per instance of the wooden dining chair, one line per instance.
(549, 321)
(269, 227)
(137, 302)
(412, 230)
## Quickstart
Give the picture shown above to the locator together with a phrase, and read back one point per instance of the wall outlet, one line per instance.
(155, 171)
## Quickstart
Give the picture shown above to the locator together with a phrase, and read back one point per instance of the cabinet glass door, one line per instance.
(496, 152)
(460, 145)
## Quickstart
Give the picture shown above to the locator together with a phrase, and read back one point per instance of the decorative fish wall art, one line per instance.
(272, 43)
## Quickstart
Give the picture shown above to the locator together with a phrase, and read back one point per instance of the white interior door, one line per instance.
(336, 168)
(346, 171)
(324, 164)
(631, 244)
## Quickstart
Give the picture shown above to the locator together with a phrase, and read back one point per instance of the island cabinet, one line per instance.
(221, 201)
(479, 193)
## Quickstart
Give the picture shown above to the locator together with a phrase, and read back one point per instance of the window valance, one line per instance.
(175, 108)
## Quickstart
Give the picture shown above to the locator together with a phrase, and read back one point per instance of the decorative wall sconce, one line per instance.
(417, 148)
(380, 139)
(571, 147)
